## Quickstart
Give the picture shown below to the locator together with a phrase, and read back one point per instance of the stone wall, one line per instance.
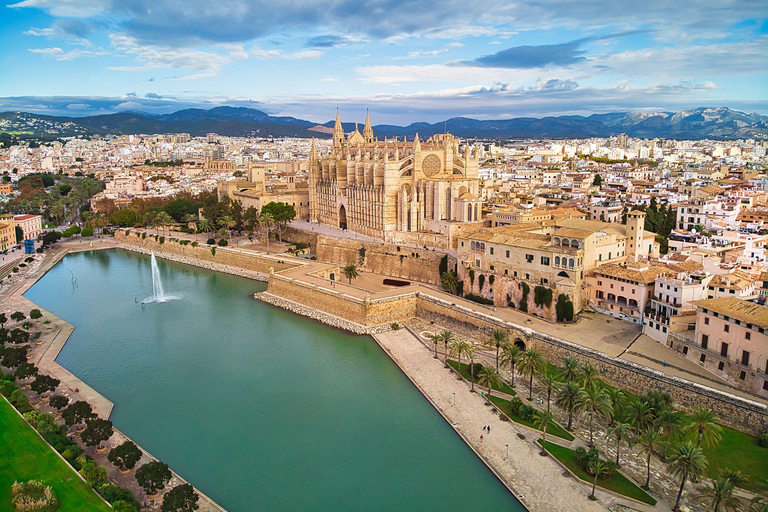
(734, 411)
(301, 235)
(391, 260)
(223, 256)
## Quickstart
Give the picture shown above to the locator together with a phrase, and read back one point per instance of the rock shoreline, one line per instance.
(325, 318)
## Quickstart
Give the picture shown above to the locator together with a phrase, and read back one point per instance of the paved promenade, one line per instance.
(537, 481)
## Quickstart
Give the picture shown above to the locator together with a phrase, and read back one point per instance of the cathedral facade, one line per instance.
(382, 188)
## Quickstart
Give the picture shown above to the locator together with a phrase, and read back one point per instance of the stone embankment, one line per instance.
(324, 318)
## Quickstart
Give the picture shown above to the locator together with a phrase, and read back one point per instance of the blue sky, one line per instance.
(405, 61)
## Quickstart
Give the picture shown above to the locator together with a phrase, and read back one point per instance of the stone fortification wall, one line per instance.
(365, 312)
(223, 256)
(301, 235)
(734, 411)
(402, 262)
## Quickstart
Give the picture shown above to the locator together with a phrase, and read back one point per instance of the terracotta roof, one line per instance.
(573, 233)
(25, 217)
(739, 309)
(736, 279)
(646, 276)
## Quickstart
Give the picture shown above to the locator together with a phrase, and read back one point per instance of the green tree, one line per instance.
(125, 456)
(640, 415)
(228, 223)
(58, 402)
(282, 214)
(436, 339)
(649, 443)
(570, 369)
(510, 356)
(550, 385)
(44, 384)
(350, 272)
(498, 339)
(94, 474)
(719, 495)
(181, 498)
(532, 364)
(153, 476)
(598, 468)
(488, 376)
(568, 399)
(593, 401)
(77, 413)
(35, 314)
(618, 401)
(449, 282)
(3, 320)
(686, 461)
(590, 376)
(541, 420)
(266, 221)
(18, 316)
(458, 349)
(620, 432)
(25, 370)
(163, 220)
(447, 337)
(469, 351)
(96, 432)
(702, 424)
(598, 181)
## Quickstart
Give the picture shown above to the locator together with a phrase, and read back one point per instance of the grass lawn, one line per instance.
(740, 452)
(552, 430)
(25, 457)
(617, 482)
(504, 388)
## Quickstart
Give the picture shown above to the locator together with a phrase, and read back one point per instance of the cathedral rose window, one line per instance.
(430, 166)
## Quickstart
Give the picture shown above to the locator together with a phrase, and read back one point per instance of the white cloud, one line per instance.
(305, 55)
(59, 54)
(329, 79)
(65, 8)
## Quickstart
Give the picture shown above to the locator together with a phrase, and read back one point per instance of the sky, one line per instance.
(405, 62)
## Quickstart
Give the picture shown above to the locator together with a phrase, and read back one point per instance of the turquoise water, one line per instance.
(259, 408)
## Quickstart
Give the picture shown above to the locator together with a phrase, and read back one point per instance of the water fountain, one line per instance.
(158, 293)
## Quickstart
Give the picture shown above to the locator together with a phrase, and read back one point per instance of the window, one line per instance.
(724, 350)
(515, 274)
(742, 375)
(685, 351)
(545, 260)
(703, 357)
(599, 283)
(557, 263)
(491, 267)
(727, 328)
(720, 365)
(506, 272)
(491, 250)
(507, 254)
(706, 320)
(748, 335)
(664, 329)
(744, 357)
(529, 258)
(704, 341)
(765, 384)
(570, 263)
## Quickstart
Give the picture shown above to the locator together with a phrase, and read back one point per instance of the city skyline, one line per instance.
(405, 62)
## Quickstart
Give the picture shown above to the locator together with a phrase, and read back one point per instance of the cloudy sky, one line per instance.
(422, 60)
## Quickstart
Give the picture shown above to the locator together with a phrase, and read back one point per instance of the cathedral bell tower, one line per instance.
(338, 132)
(367, 130)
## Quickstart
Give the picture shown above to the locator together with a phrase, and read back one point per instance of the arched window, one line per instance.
(448, 201)
(574, 244)
(469, 213)
(473, 245)
(557, 260)
(477, 216)
(570, 263)
(566, 242)
(482, 246)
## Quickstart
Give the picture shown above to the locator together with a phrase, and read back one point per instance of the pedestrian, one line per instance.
(481, 438)
(489, 429)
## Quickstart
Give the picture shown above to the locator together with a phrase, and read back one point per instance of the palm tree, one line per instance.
(447, 336)
(719, 495)
(266, 221)
(686, 461)
(594, 400)
(702, 423)
(598, 468)
(488, 376)
(670, 423)
(735, 477)
(532, 364)
(620, 432)
(568, 398)
(759, 503)
(590, 376)
(570, 369)
(649, 443)
(499, 339)
(640, 415)
(549, 384)
(541, 420)
(469, 351)
(203, 226)
(510, 355)
(350, 272)
(227, 222)
(458, 349)
(163, 220)
(618, 401)
(449, 282)
(435, 338)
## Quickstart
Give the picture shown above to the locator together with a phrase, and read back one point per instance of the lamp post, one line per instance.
(454, 399)
(507, 452)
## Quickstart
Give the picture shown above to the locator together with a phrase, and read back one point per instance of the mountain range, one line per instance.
(699, 123)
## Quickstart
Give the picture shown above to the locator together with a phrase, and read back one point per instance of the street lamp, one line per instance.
(454, 399)
(507, 452)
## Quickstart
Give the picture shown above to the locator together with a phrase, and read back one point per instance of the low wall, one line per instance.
(224, 255)
(734, 411)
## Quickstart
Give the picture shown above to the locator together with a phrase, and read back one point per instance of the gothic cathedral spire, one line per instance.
(367, 130)
(338, 132)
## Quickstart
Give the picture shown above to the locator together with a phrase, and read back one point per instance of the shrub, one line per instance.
(94, 474)
(213, 251)
(87, 232)
(523, 305)
(29, 259)
(211, 241)
(515, 404)
(481, 281)
(124, 506)
(568, 311)
(127, 232)
(548, 297)
(471, 277)
(395, 326)
(113, 493)
(478, 299)
(181, 498)
(161, 240)
(20, 401)
(223, 242)
(762, 439)
(35, 314)
(194, 244)
(476, 369)
(33, 496)
(143, 236)
(526, 412)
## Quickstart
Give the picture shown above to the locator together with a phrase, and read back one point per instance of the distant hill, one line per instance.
(700, 123)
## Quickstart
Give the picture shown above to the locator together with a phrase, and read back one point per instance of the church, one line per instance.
(397, 191)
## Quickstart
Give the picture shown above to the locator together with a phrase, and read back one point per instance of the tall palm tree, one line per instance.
(449, 282)
(620, 432)
(488, 376)
(598, 468)
(593, 401)
(549, 384)
(640, 415)
(458, 349)
(228, 223)
(469, 351)
(568, 398)
(510, 356)
(719, 495)
(541, 420)
(203, 226)
(570, 369)
(350, 272)
(436, 338)
(532, 364)
(686, 461)
(590, 376)
(618, 401)
(499, 339)
(266, 221)
(447, 337)
(670, 423)
(702, 423)
(649, 443)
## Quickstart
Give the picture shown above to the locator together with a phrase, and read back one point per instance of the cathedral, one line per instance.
(389, 189)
